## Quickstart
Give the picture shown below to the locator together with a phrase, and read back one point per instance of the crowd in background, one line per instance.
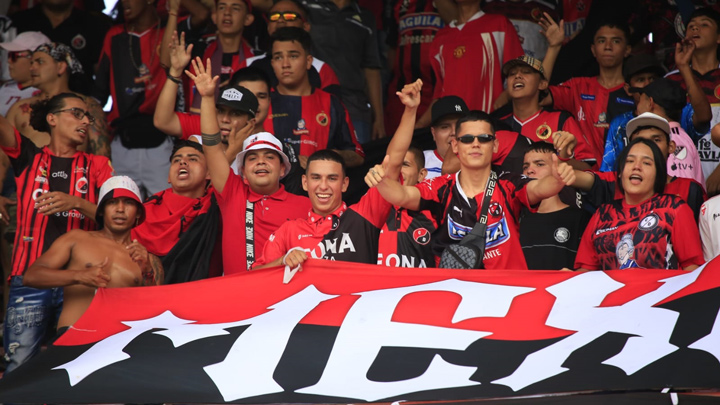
(534, 134)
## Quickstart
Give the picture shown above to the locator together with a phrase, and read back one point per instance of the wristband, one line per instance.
(174, 79)
(562, 159)
(211, 139)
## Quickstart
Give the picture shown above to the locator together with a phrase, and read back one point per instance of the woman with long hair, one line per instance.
(646, 228)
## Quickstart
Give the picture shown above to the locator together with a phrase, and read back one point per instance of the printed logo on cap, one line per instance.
(458, 108)
(232, 95)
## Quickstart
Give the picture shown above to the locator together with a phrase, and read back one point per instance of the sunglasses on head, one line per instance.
(285, 15)
(78, 113)
(14, 56)
(482, 138)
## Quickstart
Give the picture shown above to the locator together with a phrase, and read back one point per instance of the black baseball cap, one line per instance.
(238, 98)
(448, 105)
(641, 63)
(665, 93)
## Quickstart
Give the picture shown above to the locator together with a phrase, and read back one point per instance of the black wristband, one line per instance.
(211, 139)
(174, 79)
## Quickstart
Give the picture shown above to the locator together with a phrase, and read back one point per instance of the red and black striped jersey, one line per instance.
(38, 171)
(457, 214)
(306, 124)
(129, 70)
(651, 235)
(405, 239)
(412, 28)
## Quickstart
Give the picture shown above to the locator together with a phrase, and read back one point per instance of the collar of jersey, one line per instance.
(279, 195)
(315, 218)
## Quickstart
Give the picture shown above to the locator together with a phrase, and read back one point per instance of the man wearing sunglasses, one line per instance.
(290, 13)
(455, 200)
(20, 52)
(51, 68)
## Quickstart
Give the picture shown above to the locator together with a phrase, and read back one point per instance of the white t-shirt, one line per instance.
(433, 164)
(11, 93)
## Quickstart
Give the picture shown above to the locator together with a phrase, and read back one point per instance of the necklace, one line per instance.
(143, 69)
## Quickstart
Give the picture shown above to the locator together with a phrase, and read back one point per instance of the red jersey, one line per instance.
(405, 239)
(587, 100)
(348, 234)
(651, 235)
(541, 126)
(457, 213)
(223, 65)
(38, 171)
(190, 124)
(129, 70)
(467, 59)
(411, 30)
(269, 213)
(604, 191)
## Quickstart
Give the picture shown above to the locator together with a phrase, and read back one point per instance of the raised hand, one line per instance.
(683, 52)
(564, 143)
(376, 174)
(180, 55)
(410, 94)
(552, 31)
(205, 83)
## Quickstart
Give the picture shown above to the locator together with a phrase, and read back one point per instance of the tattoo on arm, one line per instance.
(99, 136)
(154, 274)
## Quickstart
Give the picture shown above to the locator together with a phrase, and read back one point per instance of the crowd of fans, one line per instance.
(407, 133)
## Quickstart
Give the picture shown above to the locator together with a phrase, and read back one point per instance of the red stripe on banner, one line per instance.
(522, 316)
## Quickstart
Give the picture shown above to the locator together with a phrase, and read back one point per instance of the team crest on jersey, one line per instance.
(562, 235)
(457, 231)
(301, 129)
(322, 119)
(602, 120)
(543, 131)
(78, 41)
(649, 222)
(81, 186)
(421, 236)
(580, 5)
(459, 51)
(495, 209)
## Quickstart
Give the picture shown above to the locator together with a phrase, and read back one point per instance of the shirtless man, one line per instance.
(82, 261)
(51, 67)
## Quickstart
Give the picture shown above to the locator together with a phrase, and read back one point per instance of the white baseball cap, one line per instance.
(263, 140)
(27, 41)
(647, 119)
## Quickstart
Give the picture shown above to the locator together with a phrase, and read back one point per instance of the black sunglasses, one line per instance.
(482, 138)
(285, 15)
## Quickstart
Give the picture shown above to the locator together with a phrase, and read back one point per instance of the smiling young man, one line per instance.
(80, 261)
(255, 201)
(305, 118)
(455, 200)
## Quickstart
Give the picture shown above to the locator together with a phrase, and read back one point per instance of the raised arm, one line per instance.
(555, 35)
(701, 106)
(164, 118)
(7, 133)
(400, 143)
(48, 270)
(205, 84)
(562, 175)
